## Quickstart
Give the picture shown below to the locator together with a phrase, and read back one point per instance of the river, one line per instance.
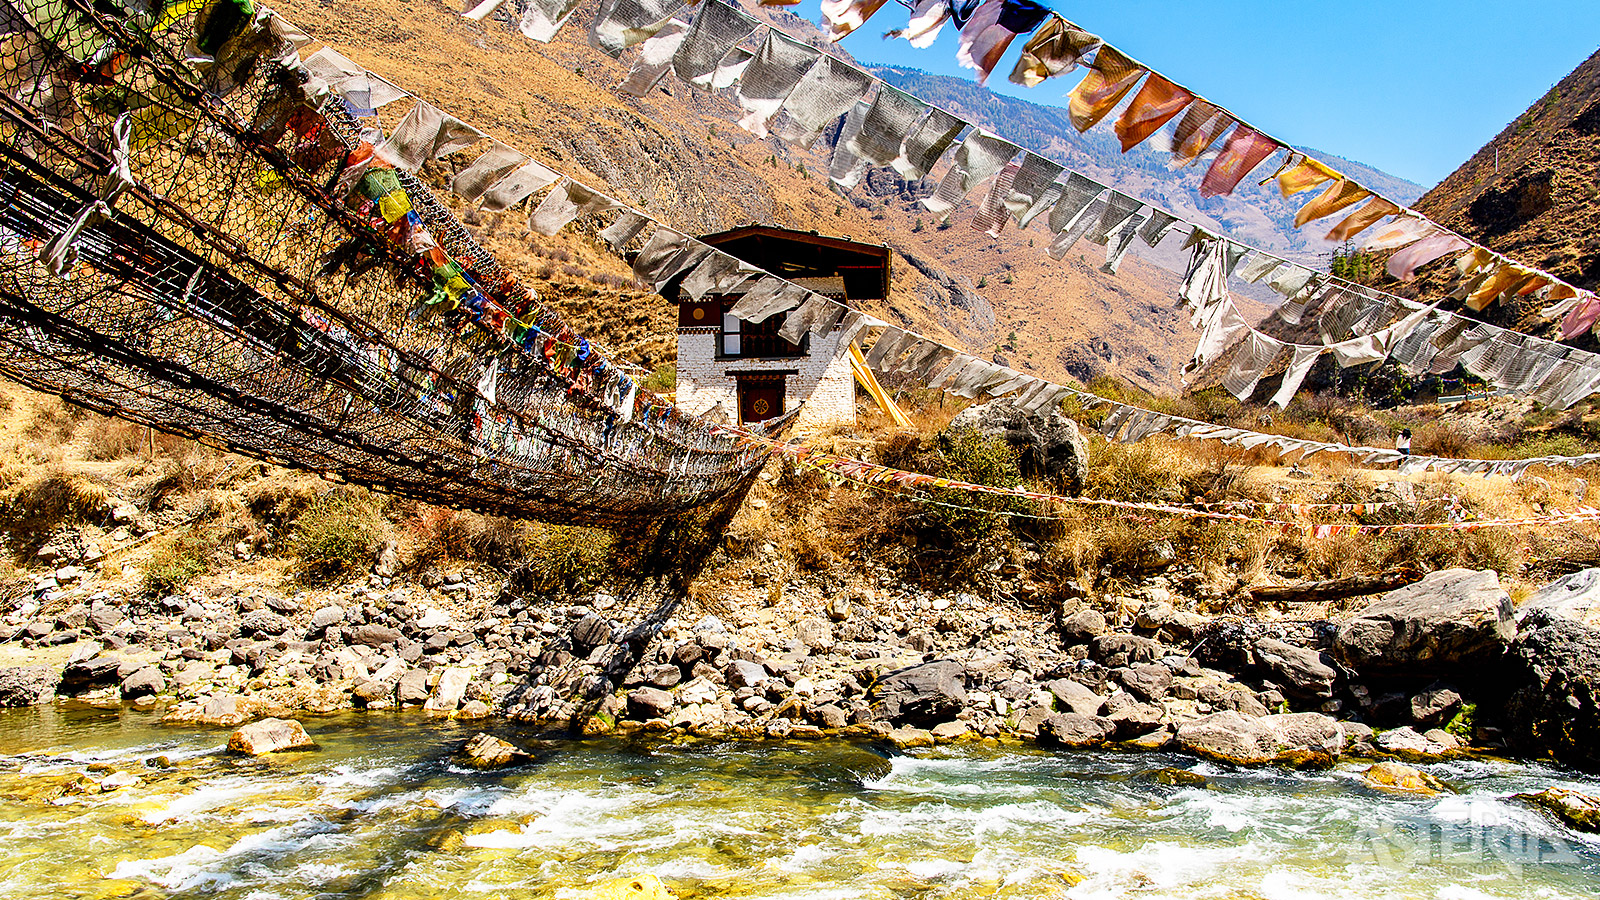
(380, 810)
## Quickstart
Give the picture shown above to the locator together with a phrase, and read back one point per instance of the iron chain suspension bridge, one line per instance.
(193, 241)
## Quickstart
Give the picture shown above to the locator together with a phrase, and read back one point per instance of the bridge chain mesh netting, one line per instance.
(195, 238)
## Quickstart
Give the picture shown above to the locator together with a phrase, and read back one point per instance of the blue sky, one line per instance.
(1413, 87)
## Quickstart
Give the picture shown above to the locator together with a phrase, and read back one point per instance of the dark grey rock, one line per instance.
(412, 687)
(1300, 670)
(590, 632)
(261, 622)
(1454, 622)
(1074, 730)
(1147, 681)
(1435, 706)
(1082, 625)
(90, 673)
(929, 693)
(650, 703)
(1117, 650)
(1553, 675)
(145, 682)
(27, 685)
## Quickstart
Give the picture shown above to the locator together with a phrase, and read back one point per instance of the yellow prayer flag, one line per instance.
(1362, 219)
(1112, 77)
(1303, 177)
(1334, 197)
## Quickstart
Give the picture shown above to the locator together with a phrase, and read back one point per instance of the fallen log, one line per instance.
(1334, 588)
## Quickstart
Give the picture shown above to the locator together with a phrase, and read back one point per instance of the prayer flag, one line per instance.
(1157, 102)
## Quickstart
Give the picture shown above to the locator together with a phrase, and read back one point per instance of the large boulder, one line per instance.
(1299, 739)
(1554, 680)
(269, 736)
(650, 703)
(145, 681)
(1575, 597)
(1049, 444)
(1453, 622)
(28, 685)
(926, 694)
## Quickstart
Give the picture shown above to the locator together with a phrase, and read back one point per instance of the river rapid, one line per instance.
(380, 810)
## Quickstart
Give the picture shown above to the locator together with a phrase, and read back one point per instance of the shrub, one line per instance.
(336, 535)
(567, 558)
(52, 500)
(178, 561)
(663, 380)
(969, 455)
(445, 534)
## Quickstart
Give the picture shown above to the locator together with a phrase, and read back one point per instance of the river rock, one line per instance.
(269, 736)
(1575, 597)
(144, 682)
(263, 622)
(590, 632)
(27, 685)
(1049, 444)
(1435, 706)
(925, 694)
(1401, 778)
(104, 617)
(1554, 677)
(1071, 696)
(645, 887)
(1147, 681)
(485, 751)
(1300, 670)
(1409, 744)
(118, 780)
(1074, 731)
(1580, 811)
(412, 687)
(1115, 651)
(1082, 625)
(90, 673)
(372, 635)
(1452, 622)
(452, 686)
(1291, 738)
(742, 673)
(650, 703)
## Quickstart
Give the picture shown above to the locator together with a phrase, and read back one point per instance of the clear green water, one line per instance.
(379, 811)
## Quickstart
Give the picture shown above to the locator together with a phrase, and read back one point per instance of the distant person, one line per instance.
(1403, 442)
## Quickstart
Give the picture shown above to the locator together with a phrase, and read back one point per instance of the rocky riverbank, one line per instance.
(1434, 669)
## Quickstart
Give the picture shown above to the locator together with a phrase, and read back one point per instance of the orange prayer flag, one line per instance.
(1334, 197)
(1112, 77)
(1362, 219)
(1503, 279)
(1304, 176)
(1197, 130)
(1154, 106)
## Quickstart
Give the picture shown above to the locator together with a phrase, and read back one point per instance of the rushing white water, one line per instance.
(381, 811)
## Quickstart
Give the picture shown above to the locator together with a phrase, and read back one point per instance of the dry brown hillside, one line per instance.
(1533, 192)
(677, 155)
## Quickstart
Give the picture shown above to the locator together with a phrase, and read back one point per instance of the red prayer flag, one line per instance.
(1246, 148)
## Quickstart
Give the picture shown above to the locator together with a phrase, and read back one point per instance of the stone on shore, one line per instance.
(1075, 731)
(28, 685)
(650, 703)
(1299, 739)
(1300, 670)
(269, 736)
(485, 751)
(451, 688)
(144, 682)
(1409, 744)
(1575, 597)
(1452, 622)
(925, 694)
(1072, 696)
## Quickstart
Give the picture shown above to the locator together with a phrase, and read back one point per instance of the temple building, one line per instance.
(745, 368)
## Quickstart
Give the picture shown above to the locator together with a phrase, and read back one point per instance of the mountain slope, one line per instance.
(1533, 192)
